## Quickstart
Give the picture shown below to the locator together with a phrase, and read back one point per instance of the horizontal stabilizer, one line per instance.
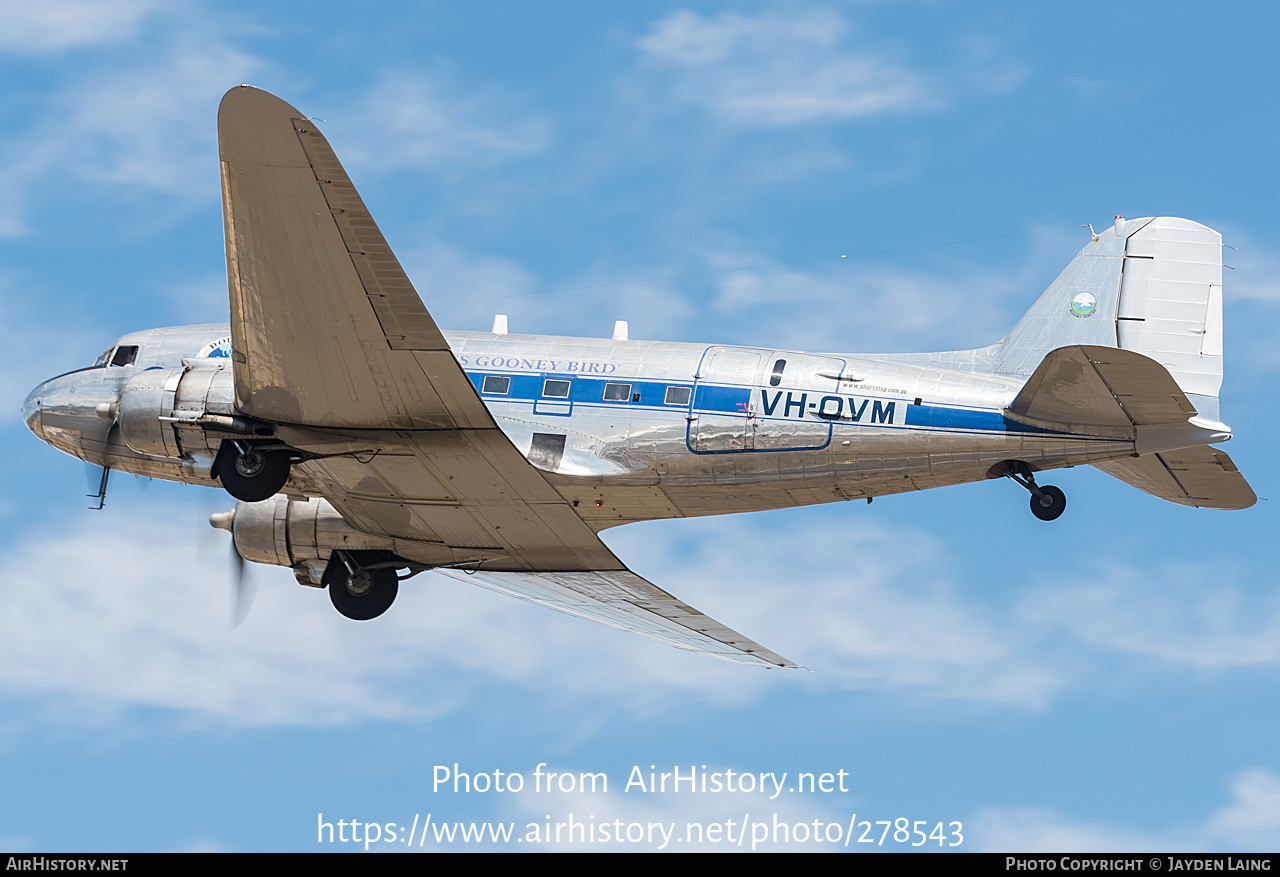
(623, 600)
(1199, 476)
(1101, 391)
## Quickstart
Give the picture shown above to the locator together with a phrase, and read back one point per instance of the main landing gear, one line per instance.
(250, 472)
(361, 592)
(1047, 502)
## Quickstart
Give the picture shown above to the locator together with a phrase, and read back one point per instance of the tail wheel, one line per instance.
(1050, 505)
(251, 474)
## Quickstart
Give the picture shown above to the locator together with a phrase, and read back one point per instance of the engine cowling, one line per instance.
(147, 397)
(297, 533)
(155, 404)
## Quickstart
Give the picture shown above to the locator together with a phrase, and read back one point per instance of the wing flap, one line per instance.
(1200, 476)
(628, 602)
(405, 322)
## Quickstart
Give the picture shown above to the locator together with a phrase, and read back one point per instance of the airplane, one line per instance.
(364, 445)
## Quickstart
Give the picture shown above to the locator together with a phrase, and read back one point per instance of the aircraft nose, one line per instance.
(31, 412)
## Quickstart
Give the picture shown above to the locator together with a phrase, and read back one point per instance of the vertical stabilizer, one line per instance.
(1153, 286)
(1080, 307)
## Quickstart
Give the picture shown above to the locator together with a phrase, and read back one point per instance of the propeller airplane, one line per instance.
(364, 445)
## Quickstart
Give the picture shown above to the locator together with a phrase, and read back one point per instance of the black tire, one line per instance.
(369, 596)
(1055, 506)
(254, 476)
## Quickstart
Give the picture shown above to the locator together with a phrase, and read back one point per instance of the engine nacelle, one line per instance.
(298, 533)
(147, 397)
(156, 403)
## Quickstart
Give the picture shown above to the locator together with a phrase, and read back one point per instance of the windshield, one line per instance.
(117, 356)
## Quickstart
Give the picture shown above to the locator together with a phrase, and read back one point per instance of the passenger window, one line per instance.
(499, 385)
(124, 356)
(554, 389)
(617, 392)
(776, 377)
(678, 396)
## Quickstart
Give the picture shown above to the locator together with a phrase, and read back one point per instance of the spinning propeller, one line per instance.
(245, 591)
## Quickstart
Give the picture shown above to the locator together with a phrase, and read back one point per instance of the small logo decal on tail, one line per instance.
(1084, 304)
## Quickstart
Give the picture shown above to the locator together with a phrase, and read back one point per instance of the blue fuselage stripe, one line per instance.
(720, 399)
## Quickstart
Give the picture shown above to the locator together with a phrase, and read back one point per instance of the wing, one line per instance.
(327, 332)
(628, 602)
(326, 329)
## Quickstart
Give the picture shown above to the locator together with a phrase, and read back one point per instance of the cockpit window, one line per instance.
(101, 361)
(125, 356)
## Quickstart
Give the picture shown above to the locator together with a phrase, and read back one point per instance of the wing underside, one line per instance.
(626, 601)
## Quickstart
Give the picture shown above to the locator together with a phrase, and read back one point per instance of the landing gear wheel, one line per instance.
(253, 475)
(1050, 506)
(366, 595)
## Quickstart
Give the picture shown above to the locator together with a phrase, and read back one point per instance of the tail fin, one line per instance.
(1153, 286)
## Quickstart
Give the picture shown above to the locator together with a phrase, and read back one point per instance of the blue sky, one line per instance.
(1104, 682)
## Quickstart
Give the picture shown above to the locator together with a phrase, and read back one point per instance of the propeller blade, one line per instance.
(245, 590)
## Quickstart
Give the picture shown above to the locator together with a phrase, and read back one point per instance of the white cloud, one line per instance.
(149, 126)
(1254, 272)
(155, 126)
(773, 70)
(871, 308)
(126, 617)
(463, 290)
(1035, 830)
(41, 342)
(129, 617)
(863, 608)
(853, 305)
(847, 306)
(415, 121)
(54, 25)
(1250, 821)
(1179, 614)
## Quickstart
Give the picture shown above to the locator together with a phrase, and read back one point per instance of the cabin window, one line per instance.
(553, 389)
(776, 377)
(678, 396)
(617, 392)
(498, 385)
(124, 356)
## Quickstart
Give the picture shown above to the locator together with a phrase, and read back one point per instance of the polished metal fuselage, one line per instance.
(627, 430)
